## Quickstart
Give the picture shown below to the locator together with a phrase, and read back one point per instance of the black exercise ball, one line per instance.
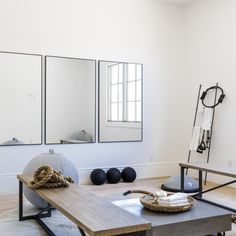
(128, 174)
(98, 176)
(113, 176)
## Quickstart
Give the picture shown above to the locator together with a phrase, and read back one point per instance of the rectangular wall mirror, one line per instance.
(20, 98)
(120, 101)
(70, 100)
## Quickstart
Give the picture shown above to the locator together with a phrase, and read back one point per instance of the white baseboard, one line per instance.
(149, 170)
(9, 183)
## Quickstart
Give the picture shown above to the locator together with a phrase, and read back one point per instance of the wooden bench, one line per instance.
(93, 215)
(200, 167)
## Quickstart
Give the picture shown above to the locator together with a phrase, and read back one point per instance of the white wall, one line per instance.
(211, 54)
(144, 31)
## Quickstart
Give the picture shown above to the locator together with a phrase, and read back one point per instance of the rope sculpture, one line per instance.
(46, 177)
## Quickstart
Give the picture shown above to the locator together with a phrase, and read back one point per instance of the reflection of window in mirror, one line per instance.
(124, 92)
(120, 101)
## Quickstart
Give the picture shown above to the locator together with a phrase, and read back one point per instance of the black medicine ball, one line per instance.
(98, 176)
(128, 174)
(113, 176)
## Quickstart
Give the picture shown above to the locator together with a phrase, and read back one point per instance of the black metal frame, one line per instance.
(37, 217)
(199, 195)
(41, 94)
(99, 79)
(45, 100)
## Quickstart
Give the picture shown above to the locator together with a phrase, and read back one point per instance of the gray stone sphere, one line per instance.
(58, 162)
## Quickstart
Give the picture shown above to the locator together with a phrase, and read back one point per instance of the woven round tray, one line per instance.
(150, 202)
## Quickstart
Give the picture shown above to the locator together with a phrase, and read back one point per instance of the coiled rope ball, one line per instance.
(46, 177)
(56, 161)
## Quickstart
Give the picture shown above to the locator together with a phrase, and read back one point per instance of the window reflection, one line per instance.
(124, 92)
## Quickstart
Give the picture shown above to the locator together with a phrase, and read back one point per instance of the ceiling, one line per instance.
(179, 2)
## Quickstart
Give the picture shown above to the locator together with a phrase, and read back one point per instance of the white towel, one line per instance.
(195, 138)
(173, 203)
(207, 119)
(161, 193)
(175, 197)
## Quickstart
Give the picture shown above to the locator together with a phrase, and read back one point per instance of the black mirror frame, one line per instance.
(45, 99)
(41, 103)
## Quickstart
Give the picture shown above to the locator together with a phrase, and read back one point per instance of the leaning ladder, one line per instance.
(194, 123)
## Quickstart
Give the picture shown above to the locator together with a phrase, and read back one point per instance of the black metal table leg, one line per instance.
(44, 226)
(182, 179)
(40, 214)
(81, 231)
(48, 209)
(37, 217)
(200, 183)
(20, 201)
(21, 216)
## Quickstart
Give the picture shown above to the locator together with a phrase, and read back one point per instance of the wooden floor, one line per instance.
(226, 195)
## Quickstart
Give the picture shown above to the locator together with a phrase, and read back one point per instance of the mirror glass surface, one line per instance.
(120, 101)
(20, 98)
(70, 100)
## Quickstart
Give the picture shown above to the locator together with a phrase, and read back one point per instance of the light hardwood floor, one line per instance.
(226, 195)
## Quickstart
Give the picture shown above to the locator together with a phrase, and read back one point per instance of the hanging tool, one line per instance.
(202, 145)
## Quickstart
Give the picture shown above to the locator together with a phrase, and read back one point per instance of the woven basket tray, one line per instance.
(151, 202)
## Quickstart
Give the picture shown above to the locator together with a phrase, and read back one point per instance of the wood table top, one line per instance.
(211, 168)
(93, 214)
